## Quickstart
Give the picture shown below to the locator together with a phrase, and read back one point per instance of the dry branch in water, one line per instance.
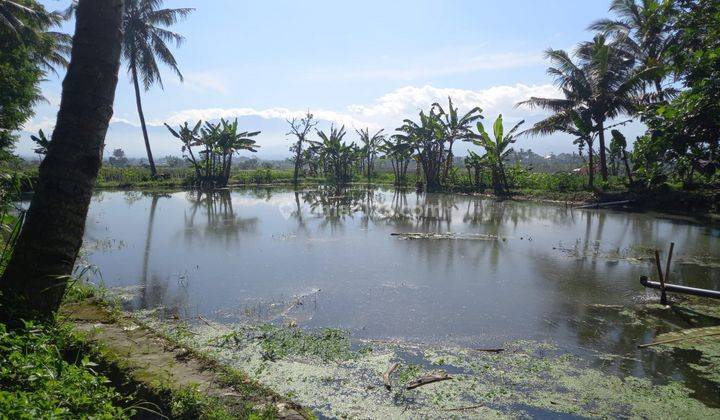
(498, 350)
(386, 376)
(428, 379)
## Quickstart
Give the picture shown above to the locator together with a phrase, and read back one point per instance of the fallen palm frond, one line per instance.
(690, 334)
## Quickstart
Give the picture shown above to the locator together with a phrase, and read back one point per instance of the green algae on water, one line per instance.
(341, 381)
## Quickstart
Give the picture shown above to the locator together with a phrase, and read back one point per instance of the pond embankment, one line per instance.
(166, 378)
(259, 368)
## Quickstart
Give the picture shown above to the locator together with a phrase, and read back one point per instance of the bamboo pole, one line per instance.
(663, 297)
(667, 264)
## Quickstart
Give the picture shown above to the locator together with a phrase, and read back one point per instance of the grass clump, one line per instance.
(189, 403)
(37, 382)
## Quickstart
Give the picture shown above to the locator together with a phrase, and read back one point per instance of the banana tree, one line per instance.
(370, 144)
(219, 142)
(42, 143)
(428, 140)
(189, 138)
(454, 128)
(231, 142)
(475, 164)
(497, 150)
(337, 156)
(400, 153)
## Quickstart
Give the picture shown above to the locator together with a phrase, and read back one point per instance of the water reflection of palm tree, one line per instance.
(220, 218)
(148, 244)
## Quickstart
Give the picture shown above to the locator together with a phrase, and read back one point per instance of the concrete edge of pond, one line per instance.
(140, 362)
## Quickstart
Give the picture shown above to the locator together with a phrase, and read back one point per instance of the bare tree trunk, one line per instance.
(603, 158)
(298, 154)
(52, 235)
(151, 161)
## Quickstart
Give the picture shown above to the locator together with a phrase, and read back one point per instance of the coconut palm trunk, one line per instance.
(591, 166)
(627, 166)
(601, 146)
(49, 242)
(138, 102)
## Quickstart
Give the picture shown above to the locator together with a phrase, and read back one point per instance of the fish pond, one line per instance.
(531, 309)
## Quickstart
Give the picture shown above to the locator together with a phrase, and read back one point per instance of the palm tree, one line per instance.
(52, 234)
(581, 127)
(605, 83)
(644, 29)
(455, 128)
(497, 150)
(26, 30)
(144, 43)
(370, 144)
(17, 16)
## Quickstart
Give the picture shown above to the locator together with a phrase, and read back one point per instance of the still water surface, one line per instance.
(553, 273)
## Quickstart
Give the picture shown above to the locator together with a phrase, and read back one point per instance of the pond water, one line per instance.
(511, 270)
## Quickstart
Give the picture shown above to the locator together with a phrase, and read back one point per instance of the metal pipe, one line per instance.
(715, 294)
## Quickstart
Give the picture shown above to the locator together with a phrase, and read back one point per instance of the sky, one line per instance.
(361, 64)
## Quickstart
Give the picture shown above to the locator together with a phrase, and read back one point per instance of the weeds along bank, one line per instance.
(92, 362)
(41, 377)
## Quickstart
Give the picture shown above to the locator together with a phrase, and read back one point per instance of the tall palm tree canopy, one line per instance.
(17, 15)
(31, 24)
(643, 28)
(145, 40)
(604, 83)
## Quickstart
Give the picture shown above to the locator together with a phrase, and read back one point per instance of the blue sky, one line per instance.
(369, 63)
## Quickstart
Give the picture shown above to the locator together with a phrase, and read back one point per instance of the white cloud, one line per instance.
(206, 81)
(206, 114)
(125, 121)
(407, 101)
(390, 109)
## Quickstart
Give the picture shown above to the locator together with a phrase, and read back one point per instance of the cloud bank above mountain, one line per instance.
(386, 111)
